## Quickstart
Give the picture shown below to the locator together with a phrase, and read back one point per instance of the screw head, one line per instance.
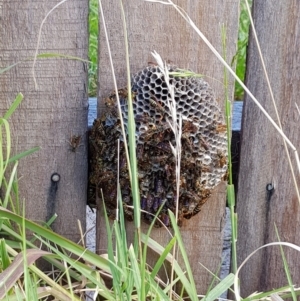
(270, 187)
(55, 177)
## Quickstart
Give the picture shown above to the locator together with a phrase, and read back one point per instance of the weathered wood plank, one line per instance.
(50, 115)
(263, 158)
(157, 27)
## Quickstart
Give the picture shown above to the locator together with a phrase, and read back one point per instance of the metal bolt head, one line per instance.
(55, 177)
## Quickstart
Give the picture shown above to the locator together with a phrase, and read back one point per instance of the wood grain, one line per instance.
(153, 26)
(50, 115)
(263, 158)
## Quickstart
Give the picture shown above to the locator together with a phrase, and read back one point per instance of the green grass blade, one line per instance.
(286, 267)
(135, 271)
(233, 219)
(17, 246)
(14, 106)
(192, 287)
(8, 190)
(22, 155)
(220, 288)
(265, 295)
(162, 257)
(9, 67)
(7, 146)
(83, 269)
(76, 249)
(44, 56)
(156, 247)
(110, 250)
(4, 258)
(49, 55)
(9, 186)
(131, 135)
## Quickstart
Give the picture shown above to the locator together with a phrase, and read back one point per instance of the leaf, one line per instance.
(12, 274)
(220, 288)
(14, 105)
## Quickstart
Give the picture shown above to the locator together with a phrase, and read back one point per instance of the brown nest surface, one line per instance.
(203, 146)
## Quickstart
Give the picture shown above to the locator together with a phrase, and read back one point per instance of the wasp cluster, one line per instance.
(203, 146)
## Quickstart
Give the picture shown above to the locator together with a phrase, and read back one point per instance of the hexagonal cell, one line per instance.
(157, 90)
(140, 83)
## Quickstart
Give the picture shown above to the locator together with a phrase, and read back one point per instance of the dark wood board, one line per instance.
(263, 158)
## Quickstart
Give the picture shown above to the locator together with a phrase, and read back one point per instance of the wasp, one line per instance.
(106, 177)
(109, 102)
(219, 128)
(197, 209)
(204, 143)
(91, 197)
(123, 164)
(156, 135)
(113, 194)
(155, 204)
(144, 184)
(180, 219)
(190, 209)
(169, 171)
(188, 141)
(128, 212)
(150, 201)
(123, 93)
(222, 160)
(145, 119)
(189, 126)
(163, 146)
(165, 219)
(98, 128)
(143, 203)
(126, 199)
(226, 175)
(183, 181)
(159, 190)
(140, 151)
(111, 213)
(153, 101)
(159, 159)
(74, 142)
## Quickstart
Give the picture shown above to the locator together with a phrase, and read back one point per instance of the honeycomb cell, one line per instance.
(164, 91)
(141, 83)
(158, 90)
(146, 88)
(183, 98)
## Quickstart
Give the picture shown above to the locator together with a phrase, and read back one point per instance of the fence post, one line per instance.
(263, 160)
(49, 116)
(153, 26)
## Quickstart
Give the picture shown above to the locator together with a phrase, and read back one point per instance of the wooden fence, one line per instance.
(49, 116)
(264, 158)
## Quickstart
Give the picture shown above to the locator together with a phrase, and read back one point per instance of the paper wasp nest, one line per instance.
(204, 146)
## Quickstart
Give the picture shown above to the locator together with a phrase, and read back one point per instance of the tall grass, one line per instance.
(242, 43)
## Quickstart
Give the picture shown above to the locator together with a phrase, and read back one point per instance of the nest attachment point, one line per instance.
(203, 146)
